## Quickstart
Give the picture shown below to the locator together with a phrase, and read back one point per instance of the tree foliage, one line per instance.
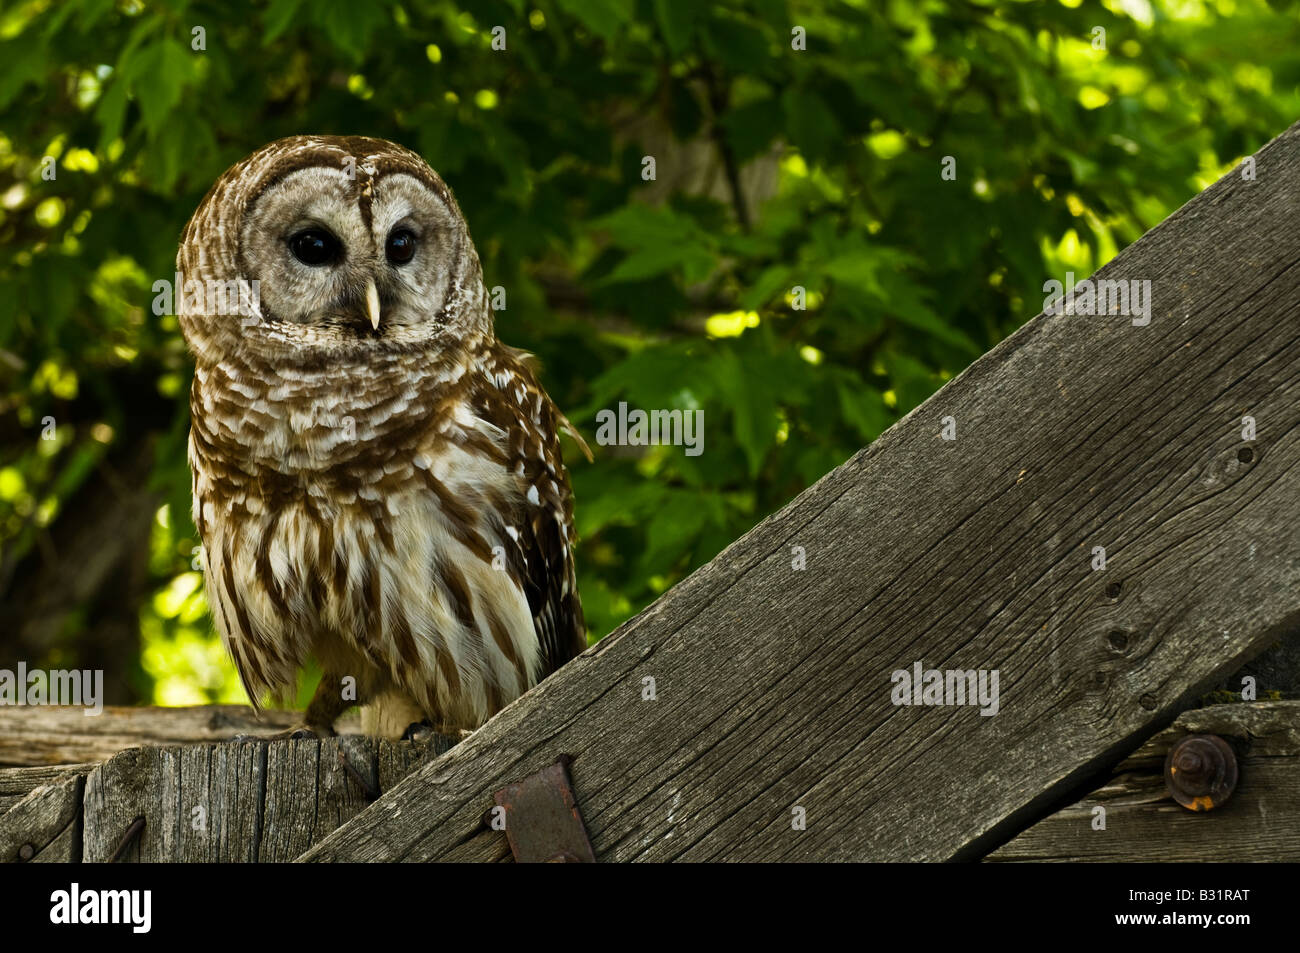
(776, 168)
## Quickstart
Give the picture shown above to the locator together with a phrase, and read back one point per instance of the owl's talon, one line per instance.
(417, 731)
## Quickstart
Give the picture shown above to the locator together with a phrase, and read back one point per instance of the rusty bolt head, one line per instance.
(26, 852)
(1201, 772)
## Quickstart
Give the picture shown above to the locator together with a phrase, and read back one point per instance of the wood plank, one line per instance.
(68, 735)
(45, 826)
(252, 801)
(395, 761)
(201, 803)
(1260, 822)
(310, 792)
(772, 684)
(17, 783)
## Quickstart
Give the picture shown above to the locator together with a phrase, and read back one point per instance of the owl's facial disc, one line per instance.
(345, 262)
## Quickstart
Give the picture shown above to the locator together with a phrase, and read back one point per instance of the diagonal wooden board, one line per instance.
(772, 684)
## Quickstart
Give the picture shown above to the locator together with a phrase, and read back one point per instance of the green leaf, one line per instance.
(695, 263)
(350, 25)
(278, 17)
(753, 128)
(775, 279)
(812, 125)
(751, 399)
(673, 531)
(24, 63)
(862, 406)
(659, 242)
(603, 17)
(912, 381)
(912, 312)
(879, 271)
(653, 377)
(677, 22)
(736, 42)
(614, 496)
(110, 112)
(159, 75)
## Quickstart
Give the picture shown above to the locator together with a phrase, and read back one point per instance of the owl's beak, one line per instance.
(372, 302)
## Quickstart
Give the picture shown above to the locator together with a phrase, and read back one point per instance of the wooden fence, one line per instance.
(750, 713)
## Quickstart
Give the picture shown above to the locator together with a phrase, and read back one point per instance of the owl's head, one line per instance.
(329, 247)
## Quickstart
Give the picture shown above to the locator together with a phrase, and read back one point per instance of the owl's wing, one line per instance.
(542, 526)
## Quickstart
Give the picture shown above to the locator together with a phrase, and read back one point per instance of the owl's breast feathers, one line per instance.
(413, 514)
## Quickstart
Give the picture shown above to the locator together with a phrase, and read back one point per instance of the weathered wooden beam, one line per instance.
(772, 684)
(1261, 820)
(45, 826)
(250, 801)
(62, 735)
(17, 783)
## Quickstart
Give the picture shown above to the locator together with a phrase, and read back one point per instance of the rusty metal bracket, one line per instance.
(542, 820)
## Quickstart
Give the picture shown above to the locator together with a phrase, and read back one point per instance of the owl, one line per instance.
(377, 480)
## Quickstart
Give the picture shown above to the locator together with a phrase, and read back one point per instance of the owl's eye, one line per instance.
(400, 247)
(314, 246)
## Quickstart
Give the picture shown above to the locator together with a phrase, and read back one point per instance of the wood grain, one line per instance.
(67, 735)
(17, 783)
(772, 684)
(1260, 822)
(45, 826)
(248, 801)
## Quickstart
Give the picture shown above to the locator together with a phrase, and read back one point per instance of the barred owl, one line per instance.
(377, 481)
